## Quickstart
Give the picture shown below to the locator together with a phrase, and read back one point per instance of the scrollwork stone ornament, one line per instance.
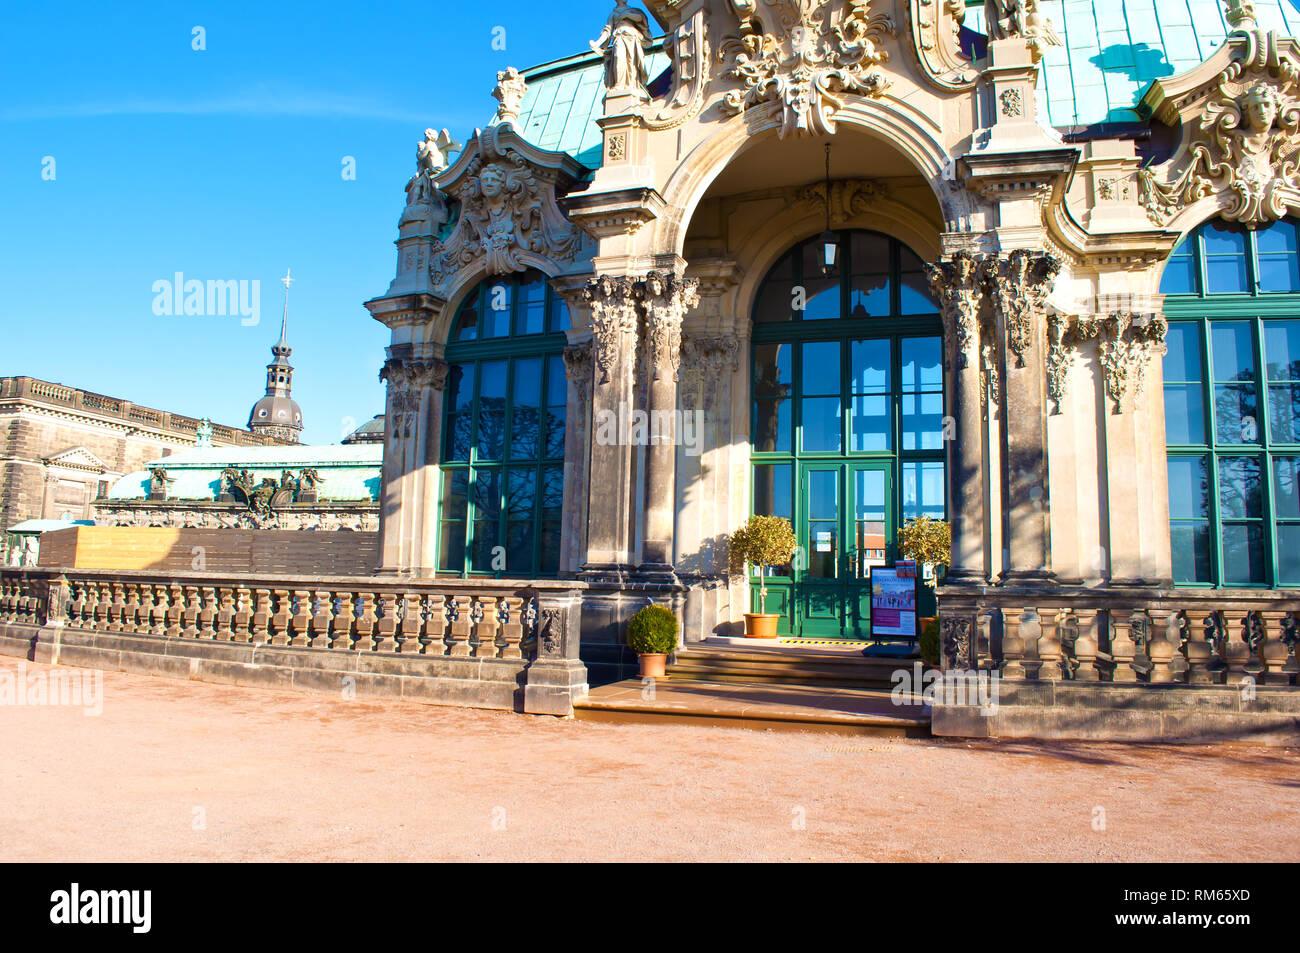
(666, 298)
(507, 207)
(958, 286)
(805, 61)
(955, 636)
(1245, 145)
(1018, 286)
(613, 320)
(577, 368)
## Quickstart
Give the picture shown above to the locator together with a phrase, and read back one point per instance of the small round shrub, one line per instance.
(652, 631)
(929, 646)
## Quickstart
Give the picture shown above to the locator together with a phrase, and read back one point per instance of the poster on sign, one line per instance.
(893, 603)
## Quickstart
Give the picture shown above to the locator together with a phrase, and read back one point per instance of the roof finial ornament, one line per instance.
(1241, 15)
(287, 280)
(509, 93)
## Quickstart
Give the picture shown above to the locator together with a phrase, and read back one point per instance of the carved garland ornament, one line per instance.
(1244, 145)
(791, 52)
(613, 318)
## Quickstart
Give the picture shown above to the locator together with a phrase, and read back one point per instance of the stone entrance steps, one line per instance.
(757, 707)
(788, 666)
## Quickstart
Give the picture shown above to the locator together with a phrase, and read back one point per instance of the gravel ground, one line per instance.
(174, 771)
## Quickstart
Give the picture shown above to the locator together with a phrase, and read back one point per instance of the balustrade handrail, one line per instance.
(1158, 635)
(458, 618)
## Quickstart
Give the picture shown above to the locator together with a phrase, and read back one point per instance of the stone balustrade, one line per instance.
(1151, 636)
(480, 619)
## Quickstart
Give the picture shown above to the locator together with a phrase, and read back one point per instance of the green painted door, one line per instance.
(844, 531)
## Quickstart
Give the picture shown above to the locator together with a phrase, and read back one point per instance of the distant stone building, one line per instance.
(61, 448)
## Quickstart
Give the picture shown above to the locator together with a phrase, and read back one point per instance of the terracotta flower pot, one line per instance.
(652, 665)
(761, 625)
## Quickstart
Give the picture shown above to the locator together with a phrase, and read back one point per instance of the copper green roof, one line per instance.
(1114, 49)
(564, 99)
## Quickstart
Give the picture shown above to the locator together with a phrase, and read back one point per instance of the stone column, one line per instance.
(665, 299)
(1018, 285)
(577, 435)
(611, 505)
(958, 287)
(409, 494)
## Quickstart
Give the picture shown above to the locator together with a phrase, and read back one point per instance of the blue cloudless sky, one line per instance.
(226, 164)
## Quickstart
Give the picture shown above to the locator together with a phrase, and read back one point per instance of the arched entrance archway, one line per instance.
(847, 420)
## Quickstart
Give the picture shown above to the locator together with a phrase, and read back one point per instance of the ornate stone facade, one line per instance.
(679, 194)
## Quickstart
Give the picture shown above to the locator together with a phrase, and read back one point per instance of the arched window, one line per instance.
(847, 419)
(504, 431)
(1232, 405)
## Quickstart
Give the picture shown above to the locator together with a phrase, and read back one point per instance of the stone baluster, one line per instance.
(242, 624)
(435, 625)
(280, 618)
(1050, 668)
(1235, 648)
(1013, 646)
(208, 613)
(158, 612)
(1086, 645)
(1123, 650)
(1273, 648)
(131, 608)
(117, 608)
(344, 621)
(300, 621)
(226, 614)
(321, 618)
(190, 617)
(75, 608)
(366, 623)
(261, 622)
(1162, 647)
(387, 627)
(175, 608)
(512, 633)
(144, 622)
(485, 631)
(458, 638)
(411, 623)
(1200, 647)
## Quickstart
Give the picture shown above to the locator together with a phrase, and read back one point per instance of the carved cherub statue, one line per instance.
(1008, 19)
(625, 41)
(431, 155)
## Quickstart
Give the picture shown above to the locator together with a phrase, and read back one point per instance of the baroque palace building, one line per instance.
(1026, 265)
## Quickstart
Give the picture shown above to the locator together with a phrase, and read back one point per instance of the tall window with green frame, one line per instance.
(504, 431)
(1232, 405)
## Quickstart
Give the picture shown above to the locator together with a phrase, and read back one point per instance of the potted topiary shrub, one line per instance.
(652, 635)
(928, 542)
(764, 543)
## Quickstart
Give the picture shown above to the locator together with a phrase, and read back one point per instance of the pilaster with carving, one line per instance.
(408, 493)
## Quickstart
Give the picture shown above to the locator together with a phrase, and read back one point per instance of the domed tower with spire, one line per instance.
(278, 414)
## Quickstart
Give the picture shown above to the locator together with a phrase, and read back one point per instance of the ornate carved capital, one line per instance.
(1126, 343)
(666, 298)
(960, 289)
(806, 57)
(849, 197)
(407, 381)
(1018, 285)
(577, 368)
(613, 320)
